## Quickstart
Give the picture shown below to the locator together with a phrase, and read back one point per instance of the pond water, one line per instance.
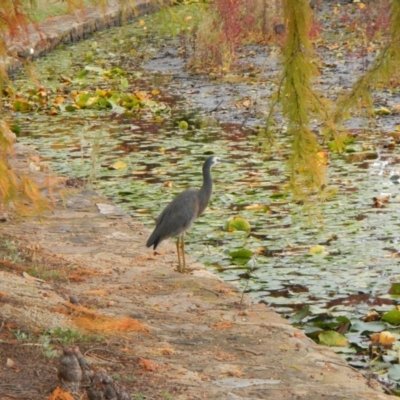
(355, 248)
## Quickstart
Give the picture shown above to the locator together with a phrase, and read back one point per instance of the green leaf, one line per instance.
(116, 108)
(183, 125)
(16, 129)
(332, 338)
(83, 99)
(367, 327)
(317, 249)
(242, 253)
(94, 69)
(124, 84)
(70, 108)
(393, 317)
(238, 224)
(241, 257)
(394, 372)
(300, 315)
(395, 288)
(82, 74)
(22, 106)
(382, 111)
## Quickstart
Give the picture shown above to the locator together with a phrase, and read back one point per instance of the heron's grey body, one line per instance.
(179, 215)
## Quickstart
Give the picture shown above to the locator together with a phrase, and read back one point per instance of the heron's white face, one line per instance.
(215, 160)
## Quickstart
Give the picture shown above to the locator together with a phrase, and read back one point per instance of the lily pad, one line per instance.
(332, 338)
(394, 372)
(241, 257)
(238, 224)
(393, 317)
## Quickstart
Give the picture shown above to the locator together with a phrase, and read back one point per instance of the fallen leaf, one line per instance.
(384, 338)
(223, 325)
(148, 365)
(317, 249)
(118, 165)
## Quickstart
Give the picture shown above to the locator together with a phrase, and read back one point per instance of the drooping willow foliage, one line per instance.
(385, 68)
(300, 101)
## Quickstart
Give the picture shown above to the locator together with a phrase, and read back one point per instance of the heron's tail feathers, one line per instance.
(153, 240)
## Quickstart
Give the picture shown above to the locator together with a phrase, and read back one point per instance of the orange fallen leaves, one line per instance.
(384, 338)
(59, 394)
(223, 325)
(92, 321)
(81, 274)
(97, 292)
(148, 365)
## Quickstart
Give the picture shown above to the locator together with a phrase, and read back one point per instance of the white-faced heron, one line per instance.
(179, 215)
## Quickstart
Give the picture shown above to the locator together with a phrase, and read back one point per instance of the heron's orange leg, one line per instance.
(180, 249)
(183, 251)
(178, 252)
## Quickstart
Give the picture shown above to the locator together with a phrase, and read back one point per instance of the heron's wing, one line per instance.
(179, 214)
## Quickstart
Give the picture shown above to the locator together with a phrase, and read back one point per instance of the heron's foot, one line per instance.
(185, 270)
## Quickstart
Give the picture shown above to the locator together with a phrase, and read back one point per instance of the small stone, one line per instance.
(74, 300)
(10, 363)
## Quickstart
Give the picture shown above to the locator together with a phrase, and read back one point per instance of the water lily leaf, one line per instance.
(238, 224)
(359, 364)
(395, 288)
(117, 72)
(332, 338)
(366, 327)
(317, 249)
(101, 92)
(103, 103)
(94, 69)
(357, 340)
(21, 106)
(344, 350)
(85, 100)
(69, 107)
(382, 111)
(118, 165)
(393, 317)
(394, 372)
(241, 257)
(300, 315)
(183, 125)
(256, 206)
(82, 74)
(124, 84)
(116, 108)
(16, 129)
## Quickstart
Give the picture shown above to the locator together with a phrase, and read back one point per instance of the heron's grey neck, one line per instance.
(206, 188)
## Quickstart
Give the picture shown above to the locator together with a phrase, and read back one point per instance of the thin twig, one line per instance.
(249, 351)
